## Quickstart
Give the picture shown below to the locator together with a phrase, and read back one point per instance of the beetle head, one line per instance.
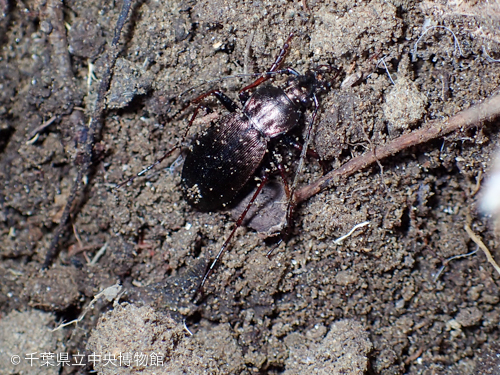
(302, 88)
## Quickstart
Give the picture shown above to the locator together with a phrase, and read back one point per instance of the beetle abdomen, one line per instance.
(221, 162)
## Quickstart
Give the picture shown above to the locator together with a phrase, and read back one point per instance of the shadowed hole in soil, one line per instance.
(68, 314)
(5, 135)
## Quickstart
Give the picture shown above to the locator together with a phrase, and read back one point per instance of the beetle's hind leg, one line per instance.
(284, 232)
(239, 222)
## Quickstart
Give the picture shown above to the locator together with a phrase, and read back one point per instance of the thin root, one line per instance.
(455, 39)
(186, 328)
(488, 57)
(110, 293)
(483, 247)
(354, 228)
(382, 60)
(95, 125)
(33, 136)
(98, 255)
(445, 263)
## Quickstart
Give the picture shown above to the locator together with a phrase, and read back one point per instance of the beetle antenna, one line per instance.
(263, 76)
(147, 169)
(241, 75)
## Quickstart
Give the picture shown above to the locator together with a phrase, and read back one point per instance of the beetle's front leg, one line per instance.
(274, 68)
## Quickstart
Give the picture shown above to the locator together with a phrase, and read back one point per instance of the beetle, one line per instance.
(223, 158)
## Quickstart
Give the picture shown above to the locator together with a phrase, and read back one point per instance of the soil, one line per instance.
(385, 300)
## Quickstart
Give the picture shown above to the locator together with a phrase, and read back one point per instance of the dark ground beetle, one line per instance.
(224, 157)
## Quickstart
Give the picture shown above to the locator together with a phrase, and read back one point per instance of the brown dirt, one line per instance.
(376, 292)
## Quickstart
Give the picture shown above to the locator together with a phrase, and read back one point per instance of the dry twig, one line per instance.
(487, 110)
(94, 129)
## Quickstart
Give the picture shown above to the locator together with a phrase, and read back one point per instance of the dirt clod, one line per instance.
(404, 105)
(25, 336)
(343, 350)
(153, 341)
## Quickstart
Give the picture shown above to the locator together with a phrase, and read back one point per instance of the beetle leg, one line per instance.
(244, 95)
(148, 168)
(276, 65)
(166, 155)
(289, 70)
(291, 199)
(221, 97)
(226, 101)
(325, 166)
(281, 170)
(288, 139)
(305, 147)
(285, 231)
(238, 223)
